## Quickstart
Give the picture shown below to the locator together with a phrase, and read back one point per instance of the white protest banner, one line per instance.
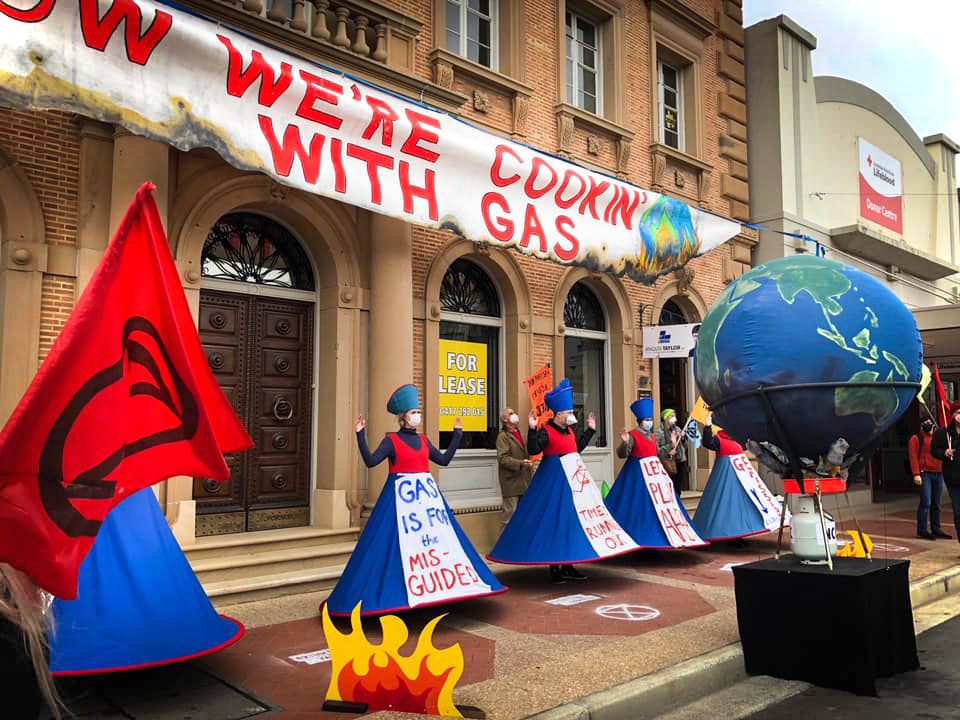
(604, 533)
(189, 82)
(435, 567)
(678, 530)
(765, 502)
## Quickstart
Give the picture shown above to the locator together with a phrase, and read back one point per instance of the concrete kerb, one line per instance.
(652, 695)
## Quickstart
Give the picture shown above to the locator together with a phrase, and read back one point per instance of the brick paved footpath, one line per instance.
(523, 651)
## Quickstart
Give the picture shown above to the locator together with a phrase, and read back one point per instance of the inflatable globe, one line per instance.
(846, 346)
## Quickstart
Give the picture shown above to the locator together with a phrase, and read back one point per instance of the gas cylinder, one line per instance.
(806, 534)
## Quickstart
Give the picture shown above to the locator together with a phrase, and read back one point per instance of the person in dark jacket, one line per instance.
(944, 447)
(928, 476)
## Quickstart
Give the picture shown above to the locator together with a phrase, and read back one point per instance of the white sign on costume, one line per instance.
(678, 530)
(604, 533)
(435, 566)
(190, 82)
(763, 500)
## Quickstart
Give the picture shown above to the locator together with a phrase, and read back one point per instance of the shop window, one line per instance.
(470, 311)
(584, 64)
(250, 248)
(585, 356)
(471, 30)
(670, 101)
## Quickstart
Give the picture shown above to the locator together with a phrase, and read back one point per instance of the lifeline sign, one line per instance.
(190, 82)
(463, 385)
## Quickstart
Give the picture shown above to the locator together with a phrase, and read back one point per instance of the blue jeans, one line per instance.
(930, 493)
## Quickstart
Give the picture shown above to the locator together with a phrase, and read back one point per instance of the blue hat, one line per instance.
(404, 398)
(560, 399)
(642, 408)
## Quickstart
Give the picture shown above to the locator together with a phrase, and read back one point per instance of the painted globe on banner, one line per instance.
(802, 320)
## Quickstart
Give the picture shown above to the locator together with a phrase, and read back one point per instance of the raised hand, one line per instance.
(361, 423)
(592, 421)
(624, 435)
(458, 424)
(532, 420)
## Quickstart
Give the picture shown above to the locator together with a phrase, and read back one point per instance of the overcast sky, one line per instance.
(906, 51)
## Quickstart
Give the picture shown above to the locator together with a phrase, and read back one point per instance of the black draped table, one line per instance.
(837, 629)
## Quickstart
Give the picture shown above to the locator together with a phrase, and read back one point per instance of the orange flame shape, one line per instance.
(381, 677)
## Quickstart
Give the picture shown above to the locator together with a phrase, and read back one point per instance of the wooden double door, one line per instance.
(260, 349)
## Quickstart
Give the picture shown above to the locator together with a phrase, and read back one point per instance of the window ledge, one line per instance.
(670, 164)
(570, 117)
(447, 66)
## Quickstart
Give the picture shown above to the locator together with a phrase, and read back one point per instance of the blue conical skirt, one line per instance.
(374, 574)
(725, 511)
(545, 529)
(630, 504)
(139, 602)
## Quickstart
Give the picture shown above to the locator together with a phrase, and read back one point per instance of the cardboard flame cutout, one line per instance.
(383, 679)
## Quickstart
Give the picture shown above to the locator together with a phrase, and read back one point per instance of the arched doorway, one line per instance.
(256, 325)
(674, 385)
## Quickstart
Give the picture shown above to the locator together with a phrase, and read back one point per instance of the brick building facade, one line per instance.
(667, 113)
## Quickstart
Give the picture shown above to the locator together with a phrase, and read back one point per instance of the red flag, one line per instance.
(124, 400)
(942, 404)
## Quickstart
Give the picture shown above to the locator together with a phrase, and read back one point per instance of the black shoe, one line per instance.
(941, 534)
(556, 575)
(926, 536)
(571, 573)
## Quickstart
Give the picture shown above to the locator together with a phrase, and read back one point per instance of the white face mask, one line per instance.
(672, 420)
(514, 419)
(571, 419)
(414, 420)
(647, 424)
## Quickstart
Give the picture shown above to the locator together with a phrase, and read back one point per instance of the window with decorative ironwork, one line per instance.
(470, 313)
(467, 289)
(582, 310)
(672, 314)
(251, 248)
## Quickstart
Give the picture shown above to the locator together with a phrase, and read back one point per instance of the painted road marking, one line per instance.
(730, 566)
(312, 658)
(568, 600)
(630, 613)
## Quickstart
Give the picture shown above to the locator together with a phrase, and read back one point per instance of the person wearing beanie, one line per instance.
(562, 519)
(412, 551)
(735, 503)
(634, 501)
(672, 448)
(943, 447)
(928, 476)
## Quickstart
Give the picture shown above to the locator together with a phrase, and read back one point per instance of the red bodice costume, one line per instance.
(559, 443)
(408, 460)
(728, 446)
(642, 446)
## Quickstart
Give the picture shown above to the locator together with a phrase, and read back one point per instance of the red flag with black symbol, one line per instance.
(124, 400)
(942, 404)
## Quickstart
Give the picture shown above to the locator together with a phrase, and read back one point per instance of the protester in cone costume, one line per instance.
(725, 512)
(546, 529)
(376, 575)
(629, 500)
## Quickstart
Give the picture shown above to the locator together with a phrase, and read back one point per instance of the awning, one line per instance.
(872, 245)
(189, 82)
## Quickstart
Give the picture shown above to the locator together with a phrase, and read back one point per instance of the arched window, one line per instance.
(251, 248)
(585, 356)
(672, 314)
(470, 312)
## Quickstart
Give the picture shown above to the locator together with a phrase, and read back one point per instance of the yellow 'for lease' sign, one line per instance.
(463, 384)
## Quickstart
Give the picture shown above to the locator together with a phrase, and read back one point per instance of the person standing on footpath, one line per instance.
(671, 448)
(944, 447)
(928, 476)
(513, 464)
